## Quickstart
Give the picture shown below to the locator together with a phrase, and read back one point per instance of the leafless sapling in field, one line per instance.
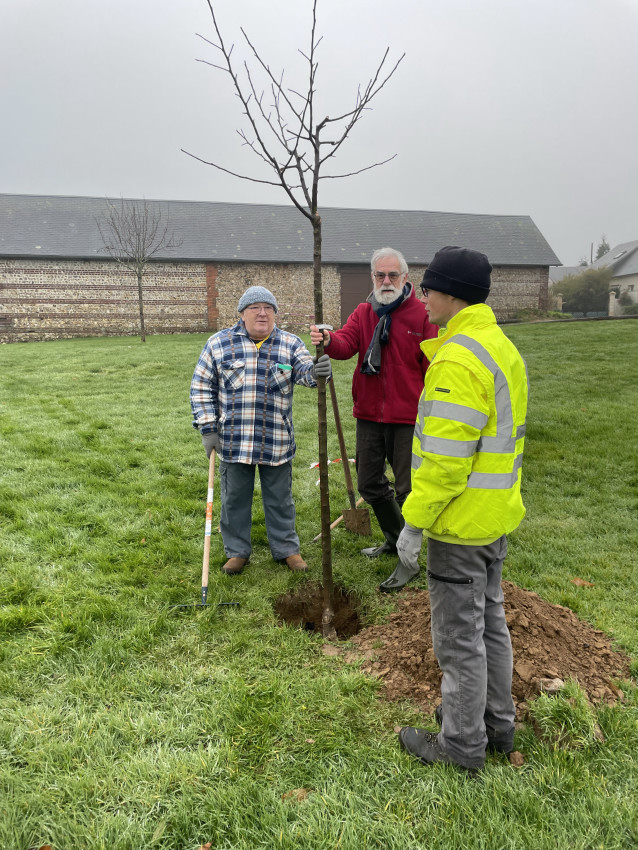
(296, 148)
(132, 233)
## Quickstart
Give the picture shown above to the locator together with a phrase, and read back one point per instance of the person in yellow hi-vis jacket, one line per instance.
(466, 496)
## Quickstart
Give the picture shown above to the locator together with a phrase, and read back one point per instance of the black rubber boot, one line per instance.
(391, 520)
(399, 578)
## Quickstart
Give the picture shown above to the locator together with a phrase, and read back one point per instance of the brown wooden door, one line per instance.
(356, 285)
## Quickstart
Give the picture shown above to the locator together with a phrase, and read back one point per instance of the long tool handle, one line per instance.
(209, 525)
(342, 444)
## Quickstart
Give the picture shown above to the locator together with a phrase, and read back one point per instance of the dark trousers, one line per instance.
(378, 442)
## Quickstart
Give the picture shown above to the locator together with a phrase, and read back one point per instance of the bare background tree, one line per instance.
(284, 133)
(132, 233)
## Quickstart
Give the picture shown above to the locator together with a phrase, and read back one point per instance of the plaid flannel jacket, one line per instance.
(245, 393)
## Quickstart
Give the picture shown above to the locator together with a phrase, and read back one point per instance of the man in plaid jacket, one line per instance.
(241, 398)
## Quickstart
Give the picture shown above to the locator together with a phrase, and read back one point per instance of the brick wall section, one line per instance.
(211, 297)
(53, 299)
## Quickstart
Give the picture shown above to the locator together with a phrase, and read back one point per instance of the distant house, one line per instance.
(57, 281)
(623, 260)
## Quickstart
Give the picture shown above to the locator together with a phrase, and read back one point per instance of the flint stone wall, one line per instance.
(55, 299)
(513, 288)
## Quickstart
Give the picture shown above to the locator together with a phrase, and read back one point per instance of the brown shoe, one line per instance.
(234, 566)
(296, 563)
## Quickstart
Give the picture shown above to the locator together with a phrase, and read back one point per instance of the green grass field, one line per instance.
(126, 725)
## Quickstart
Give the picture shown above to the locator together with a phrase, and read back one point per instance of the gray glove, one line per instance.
(322, 367)
(210, 441)
(409, 545)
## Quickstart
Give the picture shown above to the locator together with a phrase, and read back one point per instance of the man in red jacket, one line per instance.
(385, 331)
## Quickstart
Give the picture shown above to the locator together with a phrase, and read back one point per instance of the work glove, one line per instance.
(210, 441)
(409, 545)
(321, 367)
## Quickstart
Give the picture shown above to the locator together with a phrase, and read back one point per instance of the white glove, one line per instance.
(322, 367)
(409, 545)
(211, 441)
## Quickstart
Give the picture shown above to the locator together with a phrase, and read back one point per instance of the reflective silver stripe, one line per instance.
(450, 448)
(504, 417)
(497, 445)
(495, 480)
(457, 412)
(501, 443)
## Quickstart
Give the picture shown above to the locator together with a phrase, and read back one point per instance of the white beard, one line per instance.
(388, 296)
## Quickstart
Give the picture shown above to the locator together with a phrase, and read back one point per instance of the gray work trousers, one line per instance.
(237, 482)
(472, 645)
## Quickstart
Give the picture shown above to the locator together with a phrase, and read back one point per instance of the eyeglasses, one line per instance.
(425, 291)
(267, 308)
(381, 276)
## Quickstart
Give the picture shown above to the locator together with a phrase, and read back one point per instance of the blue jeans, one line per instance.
(472, 645)
(237, 485)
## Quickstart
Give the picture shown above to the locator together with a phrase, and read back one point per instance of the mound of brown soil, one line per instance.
(549, 642)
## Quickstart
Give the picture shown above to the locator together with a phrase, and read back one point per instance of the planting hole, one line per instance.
(303, 608)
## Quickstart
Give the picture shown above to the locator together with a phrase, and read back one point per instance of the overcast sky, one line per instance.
(504, 107)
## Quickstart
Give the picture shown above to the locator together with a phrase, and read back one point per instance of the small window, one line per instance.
(616, 256)
(630, 288)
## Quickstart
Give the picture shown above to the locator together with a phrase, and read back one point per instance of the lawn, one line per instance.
(124, 724)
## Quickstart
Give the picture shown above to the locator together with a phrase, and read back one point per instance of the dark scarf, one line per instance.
(372, 359)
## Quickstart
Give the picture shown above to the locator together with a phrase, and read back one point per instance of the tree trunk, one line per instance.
(327, 619)
(141, 304)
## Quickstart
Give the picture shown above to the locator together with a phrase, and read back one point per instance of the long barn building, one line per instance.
(56, 280)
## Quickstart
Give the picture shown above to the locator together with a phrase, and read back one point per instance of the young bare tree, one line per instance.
(132, 233)
(283, 132)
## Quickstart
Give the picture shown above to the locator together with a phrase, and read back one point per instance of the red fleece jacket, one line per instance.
(392, 395)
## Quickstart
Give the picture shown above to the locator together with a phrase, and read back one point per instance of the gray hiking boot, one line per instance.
(495, 743)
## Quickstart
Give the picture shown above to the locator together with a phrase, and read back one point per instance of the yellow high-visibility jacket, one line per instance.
(469, 435)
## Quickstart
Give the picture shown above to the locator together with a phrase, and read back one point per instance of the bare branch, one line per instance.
(278, 84)
(358, 171)
(232, 173)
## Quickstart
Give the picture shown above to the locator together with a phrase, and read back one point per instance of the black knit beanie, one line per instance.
(461, 272)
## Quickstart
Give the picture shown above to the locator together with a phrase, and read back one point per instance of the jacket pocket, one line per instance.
(280, 380)
(234, 374)
(449, 580)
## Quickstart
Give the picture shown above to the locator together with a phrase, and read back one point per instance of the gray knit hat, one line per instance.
(256, 295)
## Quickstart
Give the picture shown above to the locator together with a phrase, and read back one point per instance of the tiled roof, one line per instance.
(623, 258)
(65, 227)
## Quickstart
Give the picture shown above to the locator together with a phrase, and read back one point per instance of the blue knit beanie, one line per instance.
(256, 295)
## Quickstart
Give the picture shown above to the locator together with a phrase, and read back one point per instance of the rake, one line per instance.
(209, 526)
